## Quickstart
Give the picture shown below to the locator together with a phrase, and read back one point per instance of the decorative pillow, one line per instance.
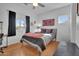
(54, 33)
(49, 30)
(46, 30)
(43, 30)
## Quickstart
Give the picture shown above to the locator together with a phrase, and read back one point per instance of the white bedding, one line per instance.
(47, 38)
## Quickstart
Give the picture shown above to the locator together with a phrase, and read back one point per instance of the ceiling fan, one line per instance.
(35, 4)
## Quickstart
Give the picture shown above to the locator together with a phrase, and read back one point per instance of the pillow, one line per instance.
(54, 33)
(46, 31)
(47, 34)
(49, 30)
(43, 30)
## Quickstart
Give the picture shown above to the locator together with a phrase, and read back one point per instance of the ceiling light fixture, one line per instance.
(35, 3)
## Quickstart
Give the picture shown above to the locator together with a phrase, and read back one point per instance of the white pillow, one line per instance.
(47, 34)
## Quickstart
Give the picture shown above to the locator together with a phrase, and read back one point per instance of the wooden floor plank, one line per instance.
(51, 49)
(25, 50)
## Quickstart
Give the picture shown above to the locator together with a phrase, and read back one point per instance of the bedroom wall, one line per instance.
(77, 31)
(73, 12)
(21, 12)
(63, 33)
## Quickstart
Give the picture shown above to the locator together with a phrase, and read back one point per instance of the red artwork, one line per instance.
(48, 22)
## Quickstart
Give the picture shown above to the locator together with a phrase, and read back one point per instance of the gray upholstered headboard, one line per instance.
(48, 30)
(53, 32)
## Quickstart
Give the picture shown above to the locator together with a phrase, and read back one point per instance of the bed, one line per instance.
(39, 40)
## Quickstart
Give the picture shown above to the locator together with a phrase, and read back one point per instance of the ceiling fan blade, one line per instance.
(41, 5)
(26, 3)
(29, 3)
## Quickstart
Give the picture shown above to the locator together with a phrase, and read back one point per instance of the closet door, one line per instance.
(27, 24)
(12, 24)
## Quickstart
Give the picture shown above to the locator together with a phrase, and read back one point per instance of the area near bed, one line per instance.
(26, 50)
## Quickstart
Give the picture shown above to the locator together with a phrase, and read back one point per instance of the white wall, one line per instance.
(21, 12)
(73, 13)
(63, 29)
(77, 31)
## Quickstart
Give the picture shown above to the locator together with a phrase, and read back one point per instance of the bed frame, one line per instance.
(54, 39)
(43, 52)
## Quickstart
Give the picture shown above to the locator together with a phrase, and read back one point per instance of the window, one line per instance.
(17, 23)
(20, 23)
(62, 19)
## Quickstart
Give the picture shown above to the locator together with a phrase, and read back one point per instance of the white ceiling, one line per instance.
(21, 7)
(48, 7)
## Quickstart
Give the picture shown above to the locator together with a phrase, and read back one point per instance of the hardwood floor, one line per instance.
(19, 49)
(51, 49)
